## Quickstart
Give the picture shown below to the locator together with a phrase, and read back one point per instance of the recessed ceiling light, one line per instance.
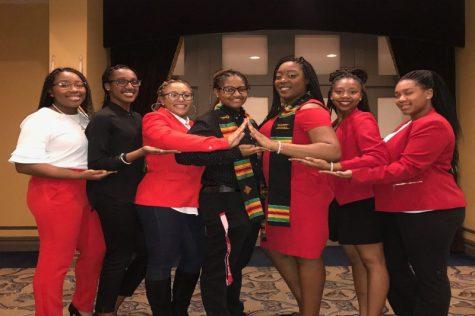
(332, 55)
(255, 57)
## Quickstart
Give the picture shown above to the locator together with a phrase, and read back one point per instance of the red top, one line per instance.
(361, 146)
(166, 182)
(418, 176)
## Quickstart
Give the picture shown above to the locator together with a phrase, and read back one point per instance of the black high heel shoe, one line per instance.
(73, 311)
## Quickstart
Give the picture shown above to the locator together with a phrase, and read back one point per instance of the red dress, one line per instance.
(311, 193)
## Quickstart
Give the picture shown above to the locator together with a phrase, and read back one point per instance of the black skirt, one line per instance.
(355, 223)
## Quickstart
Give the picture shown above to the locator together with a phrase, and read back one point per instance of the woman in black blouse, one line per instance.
(230, 203)
(115, 144)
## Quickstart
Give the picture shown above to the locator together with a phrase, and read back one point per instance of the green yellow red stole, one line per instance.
(278, 211)
(242, 168)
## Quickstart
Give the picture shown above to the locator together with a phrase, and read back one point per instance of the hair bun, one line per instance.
(360, 73)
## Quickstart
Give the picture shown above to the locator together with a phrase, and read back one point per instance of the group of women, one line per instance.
(139, 197)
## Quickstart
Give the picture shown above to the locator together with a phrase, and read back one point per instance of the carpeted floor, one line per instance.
(264, 292)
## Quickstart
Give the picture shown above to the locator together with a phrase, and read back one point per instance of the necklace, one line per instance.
(80, 111)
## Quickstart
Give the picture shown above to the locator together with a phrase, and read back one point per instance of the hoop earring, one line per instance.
(155, 106)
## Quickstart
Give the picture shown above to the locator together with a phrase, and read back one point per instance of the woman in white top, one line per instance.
(52, 148)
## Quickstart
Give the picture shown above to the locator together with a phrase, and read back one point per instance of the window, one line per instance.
(322, 51)
(245, 53)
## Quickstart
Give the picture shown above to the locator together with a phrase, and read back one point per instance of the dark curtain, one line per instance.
(152, 61)
(410, 54)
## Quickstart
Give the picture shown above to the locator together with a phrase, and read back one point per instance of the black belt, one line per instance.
(218, 189)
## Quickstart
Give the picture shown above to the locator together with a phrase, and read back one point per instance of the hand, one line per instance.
(91, 174)
(248, 150)
(263, 140)
(347, 174)
(149, 150)
(313, 162)
(237, 135)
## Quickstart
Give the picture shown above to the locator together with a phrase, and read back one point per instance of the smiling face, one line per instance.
(346, 94)
(412, 99)
(122, 95)
(173, 98)
(290, 82)
(68, 91)
(233, 99)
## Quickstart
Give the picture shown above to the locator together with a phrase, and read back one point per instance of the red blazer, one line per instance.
(361, 146)
(166, 182)
(418, 176)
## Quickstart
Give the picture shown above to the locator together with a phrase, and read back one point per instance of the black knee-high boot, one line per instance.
(159, 297)
(183, 288)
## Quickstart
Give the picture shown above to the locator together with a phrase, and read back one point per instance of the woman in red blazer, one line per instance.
(167, 200)
(418, 191)
(353, 220)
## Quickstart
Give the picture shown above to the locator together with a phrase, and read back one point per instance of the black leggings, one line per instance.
(416, 248)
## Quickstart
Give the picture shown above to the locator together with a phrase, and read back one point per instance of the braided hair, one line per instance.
(313, 86)
(221, 75)
(165, 84)
(46, 99)
(359, 76)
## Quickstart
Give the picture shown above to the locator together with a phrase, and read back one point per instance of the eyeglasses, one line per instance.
(125, 82)
(175, 96)
(232, 90)
(69, 85)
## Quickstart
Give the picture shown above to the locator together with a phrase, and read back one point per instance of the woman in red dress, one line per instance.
(298, 125)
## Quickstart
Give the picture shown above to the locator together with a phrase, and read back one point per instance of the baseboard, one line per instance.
(470, 248)
(19, 243)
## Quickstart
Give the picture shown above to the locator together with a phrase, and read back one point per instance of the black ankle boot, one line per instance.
(183, 288)
(159, 297)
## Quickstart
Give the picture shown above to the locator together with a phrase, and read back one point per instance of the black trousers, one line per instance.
(416, 248)
(125, 260)
(235, 305)
(172, 239)
(219, 299)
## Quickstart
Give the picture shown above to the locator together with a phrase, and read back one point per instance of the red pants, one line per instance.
(65, 223)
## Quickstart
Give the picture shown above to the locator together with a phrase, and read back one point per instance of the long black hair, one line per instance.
(46, 99)
(442, 101)
(313, 86)
(221, 75)
(106, 76)
(359, 76)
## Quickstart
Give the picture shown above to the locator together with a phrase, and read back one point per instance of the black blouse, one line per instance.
(219, 164)
(113, 131)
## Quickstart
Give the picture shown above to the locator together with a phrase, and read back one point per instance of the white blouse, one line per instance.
(53, 138)
(187, 209)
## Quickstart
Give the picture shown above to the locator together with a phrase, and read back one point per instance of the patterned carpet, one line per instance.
(264, 293)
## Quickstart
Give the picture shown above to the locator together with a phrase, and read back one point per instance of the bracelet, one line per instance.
(280, 147)
(331, 166)
(122, 158)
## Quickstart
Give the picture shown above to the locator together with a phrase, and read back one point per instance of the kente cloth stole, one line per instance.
(278, 211)
(242, 169)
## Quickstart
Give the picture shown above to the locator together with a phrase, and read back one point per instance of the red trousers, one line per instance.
(65, 223)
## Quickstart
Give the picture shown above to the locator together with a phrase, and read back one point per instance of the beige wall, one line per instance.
(24, 64)
(465, 63)
(30, 35)
(97, 55)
